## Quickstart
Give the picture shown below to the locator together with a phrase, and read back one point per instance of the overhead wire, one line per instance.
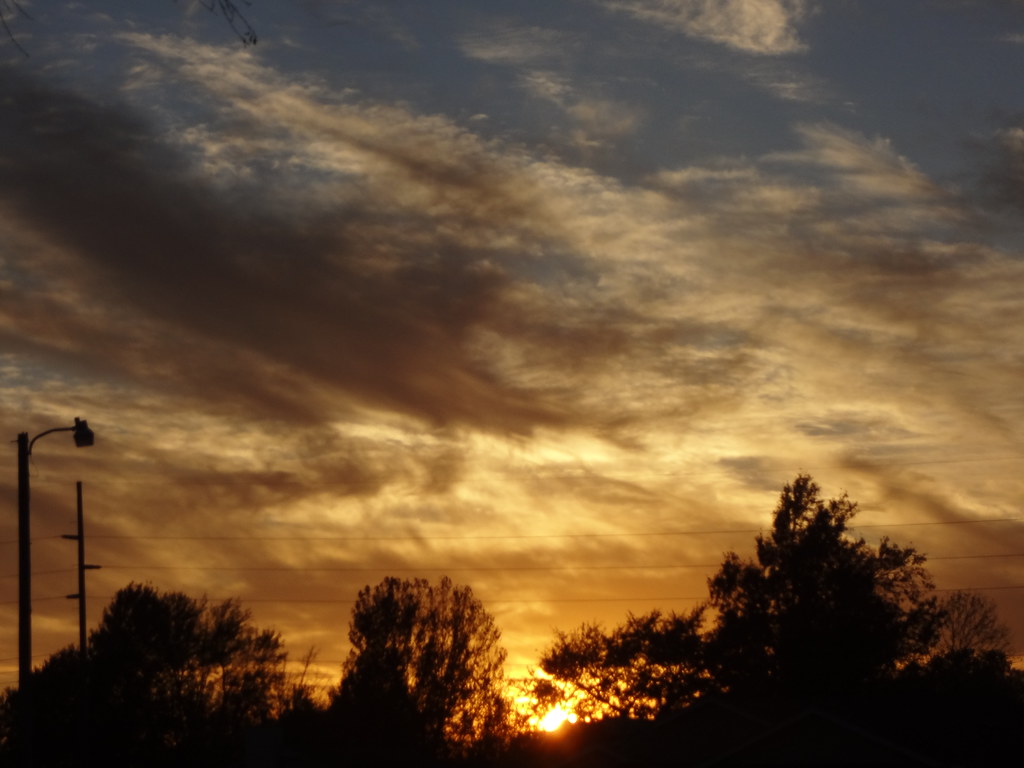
(469, 568)
(510, 536)
(516, 601)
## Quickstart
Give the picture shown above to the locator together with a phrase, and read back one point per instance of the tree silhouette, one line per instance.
(970, 622)
(425, 670)
(645, 667)
(170, 680)
(183, 671)
(969, 660)
(818, 611)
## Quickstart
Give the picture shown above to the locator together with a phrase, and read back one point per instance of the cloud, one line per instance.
(867, 170)
(419, 269)
(860, 249)
(517, 45)
(542, 61)
(1002, 177)
(280, 312)
(595, 120)
(764, 27)
(368, 338)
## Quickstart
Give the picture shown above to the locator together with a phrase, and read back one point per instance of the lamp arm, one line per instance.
(44, 434)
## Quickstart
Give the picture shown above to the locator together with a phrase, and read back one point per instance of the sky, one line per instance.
(549, 297)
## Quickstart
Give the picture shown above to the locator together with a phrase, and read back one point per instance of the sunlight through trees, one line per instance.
(817, 618)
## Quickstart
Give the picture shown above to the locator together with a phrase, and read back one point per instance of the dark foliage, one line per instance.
(645, 667)
(970, 622)
(822, 648)
(168, 681)
(818, 611)
(425, 673)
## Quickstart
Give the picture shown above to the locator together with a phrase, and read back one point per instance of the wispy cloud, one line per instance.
(765, 27)
(514, 44)
(1003, 175)
(369, 338)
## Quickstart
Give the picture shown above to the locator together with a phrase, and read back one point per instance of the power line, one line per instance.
(453, 569)
(446, 569)
(515, 536)
(34, 539)
(114, 537)
(939, 522)
(283, 481)
(36, 600)
(439, 569)
(542, 600)
(39, 573)
(517, 601)
(465, 568)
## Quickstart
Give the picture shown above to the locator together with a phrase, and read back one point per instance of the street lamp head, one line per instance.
(83, 436)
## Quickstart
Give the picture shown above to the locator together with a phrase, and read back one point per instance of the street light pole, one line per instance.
(83, 437)
(24, 572)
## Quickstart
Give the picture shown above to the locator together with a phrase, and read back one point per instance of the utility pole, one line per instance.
(83, 646)
(82, 568)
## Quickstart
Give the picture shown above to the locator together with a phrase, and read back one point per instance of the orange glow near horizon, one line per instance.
(553, 720)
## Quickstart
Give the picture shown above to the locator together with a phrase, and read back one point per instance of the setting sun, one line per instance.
(554, 719)
(470, 353)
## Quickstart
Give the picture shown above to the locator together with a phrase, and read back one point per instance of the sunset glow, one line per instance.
(555, 719)
(550, 298)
